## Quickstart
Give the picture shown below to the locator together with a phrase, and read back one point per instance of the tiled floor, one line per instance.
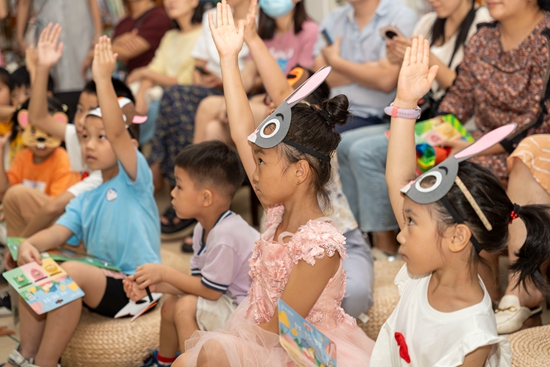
(241, 205)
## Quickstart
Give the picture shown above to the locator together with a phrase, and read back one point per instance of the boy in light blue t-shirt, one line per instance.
(117, 221)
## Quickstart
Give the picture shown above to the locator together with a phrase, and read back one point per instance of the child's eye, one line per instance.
(410, 222)
(84, 136)
(178, 187)
(79, 110)
(260, 161)
(102, 137)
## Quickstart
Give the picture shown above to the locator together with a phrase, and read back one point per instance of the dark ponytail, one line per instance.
(544, 4)
(536, 249)
(437, 33)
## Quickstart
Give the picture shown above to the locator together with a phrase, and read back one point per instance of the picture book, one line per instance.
(138, 308)
(306, 345)
(44, 287)
(61, 254)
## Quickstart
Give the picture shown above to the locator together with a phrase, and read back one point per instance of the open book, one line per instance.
(44, 287)
(61, 254)
(306, 345)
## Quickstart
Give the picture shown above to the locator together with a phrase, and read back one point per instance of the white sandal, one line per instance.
(510, 315)
(17, 359)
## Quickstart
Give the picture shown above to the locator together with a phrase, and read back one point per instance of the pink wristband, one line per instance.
(407, 113)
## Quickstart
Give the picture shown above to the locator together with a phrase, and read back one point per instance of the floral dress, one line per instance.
(243, 343)
(501, 87)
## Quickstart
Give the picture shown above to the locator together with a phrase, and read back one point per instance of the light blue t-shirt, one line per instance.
(365, 45)
(118, 220)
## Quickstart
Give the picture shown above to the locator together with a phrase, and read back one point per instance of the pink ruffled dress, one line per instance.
(243, 343)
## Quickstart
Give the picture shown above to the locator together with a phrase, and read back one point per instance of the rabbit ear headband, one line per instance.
(279, 120)
(445, 174)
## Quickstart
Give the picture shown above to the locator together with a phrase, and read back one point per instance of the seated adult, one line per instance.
(362, 152)
(360, 68)
(136, 37)
(172, 63)
(290, 37)
(528, 183)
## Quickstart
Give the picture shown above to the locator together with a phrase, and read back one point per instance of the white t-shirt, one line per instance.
(444, 52)
(72, 144)
(95, 179)
(205, 48)
(434, 338)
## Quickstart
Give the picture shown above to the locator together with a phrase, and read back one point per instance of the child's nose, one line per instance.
(400, 238)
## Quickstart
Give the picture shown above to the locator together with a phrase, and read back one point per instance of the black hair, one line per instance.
(121, 89)
(198, 12)
(212, 163)
(5, 78)
(54, 105)
(266, 24)
(314, 128)
(493, 201)
(21, 78)
(437, 32)
(544, 4)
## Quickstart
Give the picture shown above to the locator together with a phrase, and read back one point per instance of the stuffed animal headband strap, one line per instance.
(305, 149)
(473, 203)
(122, 101)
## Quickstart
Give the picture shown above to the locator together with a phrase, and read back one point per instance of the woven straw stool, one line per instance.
(101, 341)
(531, 347)
(385, 295)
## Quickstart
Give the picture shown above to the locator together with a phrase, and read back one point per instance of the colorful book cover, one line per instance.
(306, 345)
(440, 129)
(44, 287)
(61, 254)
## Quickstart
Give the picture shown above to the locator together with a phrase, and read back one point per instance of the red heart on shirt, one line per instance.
(403, 349)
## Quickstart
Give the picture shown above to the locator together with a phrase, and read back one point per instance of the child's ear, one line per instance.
(206, 198)
(135, 143)
(23, 118)
(61, 117)
(460, 238)
(302, 171)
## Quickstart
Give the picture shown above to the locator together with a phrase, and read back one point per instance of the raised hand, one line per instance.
(49, 48)
(416, 77)
(228, 38)
(104, 62)
(250, 23)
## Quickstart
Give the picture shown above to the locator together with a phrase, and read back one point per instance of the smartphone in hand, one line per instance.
(327, 38)
(390, 32)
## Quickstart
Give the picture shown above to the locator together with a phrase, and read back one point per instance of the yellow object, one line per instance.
(294, 332)
(283, 318)
(73, 286)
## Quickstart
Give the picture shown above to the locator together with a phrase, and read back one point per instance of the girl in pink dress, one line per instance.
(299, 257)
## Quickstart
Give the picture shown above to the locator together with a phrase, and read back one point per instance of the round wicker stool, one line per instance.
(531, 347)
(101, 341)
(385, 295)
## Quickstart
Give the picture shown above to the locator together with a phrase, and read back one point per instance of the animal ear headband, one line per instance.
(122, 101)
(281, 117)
(34, 137)
(445, 174)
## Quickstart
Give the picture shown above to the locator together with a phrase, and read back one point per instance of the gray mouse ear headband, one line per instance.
(280, 119)
(445, 174)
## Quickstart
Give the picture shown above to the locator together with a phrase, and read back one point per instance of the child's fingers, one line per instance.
(241, 26)
(42, 36)
(211, 21)
(229, 16)
(421, 48)
(407, 57)
(56, 34)
(414, 51)
(432, 73)
(219, 8)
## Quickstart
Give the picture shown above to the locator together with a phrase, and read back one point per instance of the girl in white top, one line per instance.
(448, 215)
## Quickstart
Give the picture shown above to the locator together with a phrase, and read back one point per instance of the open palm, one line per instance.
(49, 48)
(228, 38)
(416, 77)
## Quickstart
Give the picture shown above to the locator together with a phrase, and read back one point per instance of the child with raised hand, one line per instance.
(449, 215)
(299, 257)
(207, 176)
(100, 219)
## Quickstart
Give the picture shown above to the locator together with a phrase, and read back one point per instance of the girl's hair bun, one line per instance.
(336, 110)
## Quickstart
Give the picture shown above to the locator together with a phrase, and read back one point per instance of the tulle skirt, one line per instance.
(244, 344)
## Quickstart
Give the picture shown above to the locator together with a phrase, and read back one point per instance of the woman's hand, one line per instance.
(250, 32)
(49, 48)
(228, 38)
(28, 253)
(395, 49)
(135, 75)
(415, 77)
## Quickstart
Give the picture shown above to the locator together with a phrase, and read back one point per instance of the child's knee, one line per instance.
(186, 306)
(13, 194)
(168, 307)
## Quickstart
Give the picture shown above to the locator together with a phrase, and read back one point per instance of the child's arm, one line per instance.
(49, 51)
(273, 78)
(229, 41)
(6, 112)
(304, 287)
(47, 214)
(115, 127)
(414, 82)
(165, 279)
(48, 239)
(4, 180)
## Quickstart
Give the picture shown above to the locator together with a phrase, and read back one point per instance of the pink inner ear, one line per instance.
(23, 118)
(309, 85)
(486, 141)
(61, 117)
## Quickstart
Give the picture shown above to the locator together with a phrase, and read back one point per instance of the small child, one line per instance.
(6, 109)
(43, 167)
(207, 177)
(100, 218)
(449, 214)
(299, 257)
